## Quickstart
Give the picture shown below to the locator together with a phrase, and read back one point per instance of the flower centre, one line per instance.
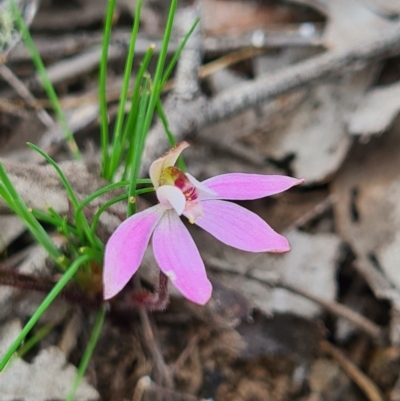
(173, 176)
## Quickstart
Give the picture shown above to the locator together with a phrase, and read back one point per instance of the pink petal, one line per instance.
(168, 160)
(125, 249)
(239, 186)
(240, 228)
(169, 195)
(179, 258)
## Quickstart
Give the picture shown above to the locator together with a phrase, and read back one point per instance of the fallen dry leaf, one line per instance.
(318, 123)
(368, 211)
(375, 111)
(310, 265)
(48, 377)
(349, 21)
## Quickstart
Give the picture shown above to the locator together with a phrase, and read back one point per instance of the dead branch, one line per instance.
(186, 82)
(25, 94)
(66, 45)
(340, 310)
(186, 117)
(369, 327)
(78, 65)
(366, 385)
(282, 36)
(162, 372)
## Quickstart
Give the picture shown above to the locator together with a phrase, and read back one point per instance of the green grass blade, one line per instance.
(80, 221)
(98, 193)
(103, 88)
(63, 178)
(129, 130)
(106, 189)
(87, 355)
(120, 198)
(106, 205)
(13, 199)
(42, 308)
(158, 76)
(47, 85)
(118, 144)
(175, 57)
(139, 139)
(170, 135)
(41, 333)
(144, 126)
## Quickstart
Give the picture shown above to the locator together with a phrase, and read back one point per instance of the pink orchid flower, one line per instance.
(173, 247)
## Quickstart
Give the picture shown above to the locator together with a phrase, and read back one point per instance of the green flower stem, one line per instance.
(47, 85)
(94, 338)
(103, 87)
(42, 308)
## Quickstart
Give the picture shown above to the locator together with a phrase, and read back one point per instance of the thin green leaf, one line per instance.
(80, 222)
(139, 139)
(106, 205)
(98, 193)
(158, 76)
(87, 355)
(35, 339)
(103, 87)
(15, 202)
(68, 275)
(170, 135)
(178, 52)
(118, 145)
(129, 130)
(47, 85)
(143, 125)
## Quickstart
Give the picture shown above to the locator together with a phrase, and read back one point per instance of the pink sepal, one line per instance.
(179, 258)
(240, 228)
(125, 249)
(240, 186)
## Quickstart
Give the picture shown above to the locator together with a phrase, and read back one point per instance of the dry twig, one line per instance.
(366, 385)
(369, 327)
(25, 94)
(162, 371)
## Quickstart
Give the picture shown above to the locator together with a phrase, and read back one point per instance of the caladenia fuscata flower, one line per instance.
(204, 204)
